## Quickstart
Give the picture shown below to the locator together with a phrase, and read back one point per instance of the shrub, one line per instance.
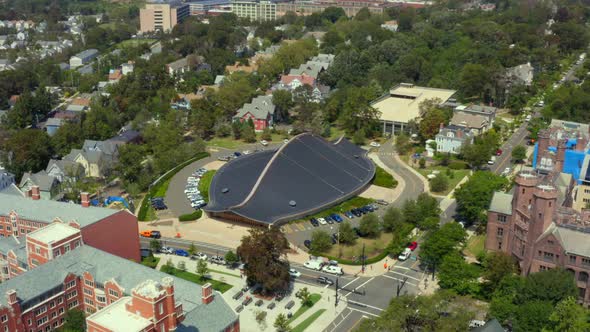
(439, 184)
(457, 165)
(191, 216)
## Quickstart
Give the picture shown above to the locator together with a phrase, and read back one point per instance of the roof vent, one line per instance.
(225, 190)
(292, 203)
(356, 156)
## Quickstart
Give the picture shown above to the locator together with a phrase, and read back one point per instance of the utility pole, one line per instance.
(336, 297)
(400, 286)
(363, 259)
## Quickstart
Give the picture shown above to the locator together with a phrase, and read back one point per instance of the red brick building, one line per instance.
(114, 231)
(119, 295)
(538, 227)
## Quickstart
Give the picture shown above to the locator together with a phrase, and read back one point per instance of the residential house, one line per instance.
(237, 67)
(520, 75)
(261, 111)
(94, 163)
(489, 112)
(126, 136)
(48, 185)
(52, 125)
(76, 108)
(292, 82)
(127, 68)
(83, 99)
(450, 139)
(390, 25)
(6, 178)
(475, 123)
(83, 58)
(178, 67)
(22, 35)
(219, 80)
(86, 69)
(64, 170)
(115, 75)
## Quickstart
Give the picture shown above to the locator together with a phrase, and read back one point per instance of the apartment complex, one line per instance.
(255, 10)
(117, 294)
(351, 7)
(537, 226)
(162, 15)
(114, 231)
(207, 7)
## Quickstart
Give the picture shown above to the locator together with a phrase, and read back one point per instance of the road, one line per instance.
(414, 185)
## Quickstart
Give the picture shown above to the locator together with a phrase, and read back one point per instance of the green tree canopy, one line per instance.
(320, 241)
(474, 196)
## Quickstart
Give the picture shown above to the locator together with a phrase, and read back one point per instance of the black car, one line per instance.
(314, 222)
(334, 238)
(325, 281)
(307, 243)
(356, 212)
(370, 208)
(237, 154)
(329, 220)
(156, 234)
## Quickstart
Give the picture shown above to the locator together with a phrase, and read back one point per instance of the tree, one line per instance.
(231, 258)
(155, 245)
(569, 316)
(192, 249)
(472, 80)
(497, 266)
(370, 225)
(422, 163)
(305, 296)
(320, 241)
(75, 320)
(283, 100)
(476, 154)
(264, 253)
(552, 285)
(202, 268)
(432, 118)
(474, 196)
(518, 153)
(393, 219)
(266, 134)
(182, 266)
(68, 137)
(402, 143)
(281, 324)
(456, 274)
(359, 137)
(439, 184)
(168, 267)
(247, 132)
(345, 233)
(442, 242)
(27, 150)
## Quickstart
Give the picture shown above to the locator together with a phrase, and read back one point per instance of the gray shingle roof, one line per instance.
(12, 190)
(41, 179)
(491, 326)
(18, 247)
(308, 171)
(46, 211)
(260, 107)
(573, 242)
(214, 316)
(501, 203)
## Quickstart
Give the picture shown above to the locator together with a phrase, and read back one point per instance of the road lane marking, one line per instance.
(405, 275)
(364, 312)
(400, 280)
(358, 287)
(351, 282)
(342, 319)
(401, 267)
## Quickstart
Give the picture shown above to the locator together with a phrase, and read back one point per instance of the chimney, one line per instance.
(560, 159)
(35, 193)
(207, 290)
(11, 296)
(459, 133)
(84, 197)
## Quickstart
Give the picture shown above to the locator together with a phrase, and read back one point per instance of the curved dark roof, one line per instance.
(302, 177)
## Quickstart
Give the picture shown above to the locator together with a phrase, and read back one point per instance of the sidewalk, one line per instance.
(401, 183)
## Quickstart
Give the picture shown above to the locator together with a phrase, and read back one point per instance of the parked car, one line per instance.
(492, 160)
(499, 152)
(218, 260)
(264, 143)
(167, 250)
(238, 295)
(329, 220)
(405, 254)
(313, 265)
(237, 154)
(412, 246)
(271, 305)
(247, 301)
(181, 252)
(375, 144)
(333, 269)
(224, 158)
(259, 303)
(294, 273)
(200, 256)
(322, 221)
(506, 171)
(382, 202)
(349, 214)
(314, 222)
(334, 238)
(307, 243)
(152, 234)
(325, 280)
(337, 217)
(290, 305)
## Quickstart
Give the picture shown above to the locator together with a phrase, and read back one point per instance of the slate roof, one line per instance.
(501, 203)
(308, 171)
(260, 107)
(107, 147)
(41, 179)
(12, 190)
(490, 326)
(469, 120)
(178, 64)
(56, 122)
(573, 242)
(89, 53)
(18, 247)
(46, 210)
(66, 166)
(214, 316)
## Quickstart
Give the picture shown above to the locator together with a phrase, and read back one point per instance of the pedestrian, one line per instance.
(371, 267)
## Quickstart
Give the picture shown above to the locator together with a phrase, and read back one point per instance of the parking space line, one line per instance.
(400, 280)
(300, 226)
(405, 275)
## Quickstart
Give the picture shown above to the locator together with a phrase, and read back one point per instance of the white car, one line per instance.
(285, 141)
(506, 171)
(405, 255)
(264, 142)
(375, 144)
(322, 221)
(294, 273)
(333, 269)
(200, 256)
(166, 250)
(313, 265)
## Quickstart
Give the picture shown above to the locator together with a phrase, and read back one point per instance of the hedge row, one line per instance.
(145, 204)
(191, 216)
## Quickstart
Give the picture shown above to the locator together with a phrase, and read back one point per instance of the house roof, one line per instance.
(17, 246)
(469, 120)
(260, 107)
(107, 147)
(572, 241)
(87, 53)
(125, 137)
(46, 211)
(56, 122)
(65, 166)
(490, 326)
(41, 179)
(12, 190)
(501, 203)
(402, 104)
(304, 79)
(178, 64)
(303, 176)
(215, 316)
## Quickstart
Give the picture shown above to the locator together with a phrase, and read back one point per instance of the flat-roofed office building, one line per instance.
(162, 15)
(255, 10)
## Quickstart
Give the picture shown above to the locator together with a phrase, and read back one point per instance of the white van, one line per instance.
(313, 265)
(405, 255)
(492, 160)
(528, 118)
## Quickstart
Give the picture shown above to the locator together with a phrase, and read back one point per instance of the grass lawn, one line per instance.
(225, 142)
(373, 247)
(314, 298)
(307, 322)
(151, 214)
(217, 285)
(457, 175)
(162, 188)
(150, 261)
(135, 42)
(383, 179)
(344, 206)
(205, 183)
(475, 245)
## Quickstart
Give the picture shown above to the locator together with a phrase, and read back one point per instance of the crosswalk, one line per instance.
(296, 227)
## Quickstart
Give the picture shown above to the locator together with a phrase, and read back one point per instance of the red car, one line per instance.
(499, 152)
(413, 246)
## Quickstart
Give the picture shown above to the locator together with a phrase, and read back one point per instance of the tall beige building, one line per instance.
(162, 15)
(255, 10)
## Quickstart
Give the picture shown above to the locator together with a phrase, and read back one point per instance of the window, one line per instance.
(53, 315)
(38, 250)
(41, 310)
(585, 261)
(500, 231)
(101, 299)
(113, 293)
(29, 321)
(60, 311)
(543, 268)
(161, 308)
(60, 300)
(76, 244)
(71, 294)
(56, 253)
(73, 304)
(499, 245)
(67, 248)
(51, 304)
(71, 284)
(4, 318)
(42, 321)
(87, 291)
(89, 283)
(572, 259)
(501, 218)
(550, 242)
(583, 276)
(548, 255)
(89, 301)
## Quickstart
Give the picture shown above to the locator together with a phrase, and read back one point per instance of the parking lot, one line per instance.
(192, 189)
